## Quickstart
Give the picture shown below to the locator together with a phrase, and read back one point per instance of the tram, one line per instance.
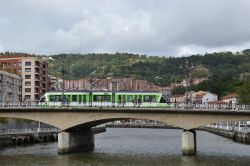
(104, 98)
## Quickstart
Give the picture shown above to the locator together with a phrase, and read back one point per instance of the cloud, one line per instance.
(162, 27)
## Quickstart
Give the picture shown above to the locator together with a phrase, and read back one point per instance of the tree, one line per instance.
(179, 90)
(244, 92)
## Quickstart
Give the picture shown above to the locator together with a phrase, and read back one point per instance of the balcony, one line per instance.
(37, 70)
(37, 90)
(37, 64)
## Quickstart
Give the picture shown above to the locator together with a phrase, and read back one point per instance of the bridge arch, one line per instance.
(70, 118)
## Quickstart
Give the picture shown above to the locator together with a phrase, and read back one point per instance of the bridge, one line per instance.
(75, 123)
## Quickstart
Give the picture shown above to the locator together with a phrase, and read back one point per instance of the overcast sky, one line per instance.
(152, 27)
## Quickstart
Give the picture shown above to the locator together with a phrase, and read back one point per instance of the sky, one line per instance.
(152, 27)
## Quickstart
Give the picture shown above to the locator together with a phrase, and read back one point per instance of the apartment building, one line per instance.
(54, 83)
(10, 87)
(117, 84)
(34, 73)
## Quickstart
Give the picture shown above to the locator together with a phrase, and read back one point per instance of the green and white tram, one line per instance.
(105, 98)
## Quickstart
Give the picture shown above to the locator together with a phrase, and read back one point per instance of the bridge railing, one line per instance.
(28, 131)
(175, 105)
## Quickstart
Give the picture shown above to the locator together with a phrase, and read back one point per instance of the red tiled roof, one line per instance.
(232, 95)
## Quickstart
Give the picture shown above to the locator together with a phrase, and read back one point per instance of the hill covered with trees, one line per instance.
(150, 68)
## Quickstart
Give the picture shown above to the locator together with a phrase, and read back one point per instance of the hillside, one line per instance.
(152, 68)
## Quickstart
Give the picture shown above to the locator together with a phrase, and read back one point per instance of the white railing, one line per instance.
(138, 105)
(28, 131)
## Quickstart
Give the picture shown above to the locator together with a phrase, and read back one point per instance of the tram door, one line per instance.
(140, 100)
(122, 99)
(113, 99)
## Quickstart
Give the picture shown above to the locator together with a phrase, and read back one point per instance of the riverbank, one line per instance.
(238, 136)
(25, 139)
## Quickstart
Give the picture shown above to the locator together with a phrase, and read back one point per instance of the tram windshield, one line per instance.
(42, 100)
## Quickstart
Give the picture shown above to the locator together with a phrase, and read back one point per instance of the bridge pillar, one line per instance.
(75, 141)
(189, 146)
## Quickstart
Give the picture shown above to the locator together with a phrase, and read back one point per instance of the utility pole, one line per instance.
(188, 79)
(91, 87)
(63, 71)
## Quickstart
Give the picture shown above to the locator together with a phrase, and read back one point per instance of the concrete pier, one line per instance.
(189, 146)
(75, 141)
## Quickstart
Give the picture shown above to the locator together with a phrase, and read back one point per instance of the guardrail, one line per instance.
(127, 104)
(28, 131)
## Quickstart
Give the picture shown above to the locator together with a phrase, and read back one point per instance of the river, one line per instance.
(138, 147)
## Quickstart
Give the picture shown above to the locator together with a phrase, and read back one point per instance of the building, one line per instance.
(177, 99)
(32, 69)
(54, 83)
(202, 97)
(230, 98)
(110, 84)
(10, 87)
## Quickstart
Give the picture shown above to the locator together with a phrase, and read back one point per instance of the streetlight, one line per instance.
(188, 79)
(63, 70)
(91, 76)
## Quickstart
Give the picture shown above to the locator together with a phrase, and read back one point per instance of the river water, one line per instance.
(138, 147)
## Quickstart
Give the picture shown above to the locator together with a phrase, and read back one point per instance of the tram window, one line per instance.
(97, 98)
(84, 98)
(147, 98)
(130, 98)
(80, 98)
(163, 100)
(153, 98)
(52, 98)
(106, 98)
(74, 98)
(65, 98)
(43, 99)
(58, 98)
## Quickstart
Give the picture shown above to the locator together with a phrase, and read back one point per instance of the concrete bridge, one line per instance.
(76, 123)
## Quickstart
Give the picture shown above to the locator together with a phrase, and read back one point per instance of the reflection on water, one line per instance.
(134, 147)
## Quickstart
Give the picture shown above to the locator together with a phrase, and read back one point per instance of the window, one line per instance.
(27, 90)
(102, 98)
(27, 83)
(19, 63)
(130, 98)
(27, 69)
(149, 98)
(27, 97)
(80, 99)
(27, 76)
(74, 98)
(43, 99)
(52, 98)
(163, 100)
(55, 98)
(14, 71)
(27, 63)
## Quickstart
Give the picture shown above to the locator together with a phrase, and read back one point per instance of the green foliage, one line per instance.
(150, 68)
(218, 85)
(244, 92)
(179, 90)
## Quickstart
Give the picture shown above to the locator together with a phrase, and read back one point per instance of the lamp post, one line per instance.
(91, 82)
(187, 68)
(63, 78)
